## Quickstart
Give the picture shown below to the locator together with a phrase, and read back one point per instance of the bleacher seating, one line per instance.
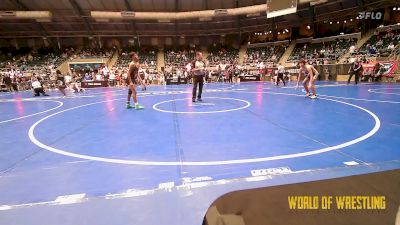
(88, 52)
(178, 57)
(147, 57)
(269, 54)
(377, 44)
(330, 50)
(218, 53)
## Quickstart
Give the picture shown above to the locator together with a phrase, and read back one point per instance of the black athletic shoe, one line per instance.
(199, 99)
(193, 100)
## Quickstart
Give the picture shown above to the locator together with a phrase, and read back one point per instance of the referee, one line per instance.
(199, 72)
(281, 71)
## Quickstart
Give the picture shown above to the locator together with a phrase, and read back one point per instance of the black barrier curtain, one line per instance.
(330, 72)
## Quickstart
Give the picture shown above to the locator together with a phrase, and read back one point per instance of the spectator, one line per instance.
(391, 47)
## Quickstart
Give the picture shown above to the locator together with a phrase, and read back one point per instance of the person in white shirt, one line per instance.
(99, 77)
(11, 74)
(67, 79)
(273, 58)
(188, 67)
(38, 88)
(105, 71)
(280, 71)
(221, 69)
(352, 49)
(391, 47)
(112, 78)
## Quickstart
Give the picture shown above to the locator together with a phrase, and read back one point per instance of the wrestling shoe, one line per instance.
(308, 94)
(128, 106)
(138, 107)
(313, 96)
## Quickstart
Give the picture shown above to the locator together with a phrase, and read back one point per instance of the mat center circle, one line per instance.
(208, 105)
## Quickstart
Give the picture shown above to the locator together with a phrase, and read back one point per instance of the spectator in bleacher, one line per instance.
(99, 77)
(391, 47)
(371, 50)
(87, 77)
(352, 49)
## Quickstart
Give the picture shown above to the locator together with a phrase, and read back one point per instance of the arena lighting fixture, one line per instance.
(281, 12)
(341, 33)
(345, 21)
(25, 14)
(398, 8)
(308, 27)
(337, 22)
(279, 32)
(351, 19)
(394, 8)
(287, 30)
(330, 22)
(179, 15)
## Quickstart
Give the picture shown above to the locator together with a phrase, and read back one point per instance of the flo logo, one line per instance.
(370, 15)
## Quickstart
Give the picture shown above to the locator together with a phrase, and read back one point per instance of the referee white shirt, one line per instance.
(36, 84)
(281, 69)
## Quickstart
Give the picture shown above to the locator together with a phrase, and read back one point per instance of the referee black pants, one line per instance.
(197, 80)
(280, 77)
(356, 77)
(39, 91)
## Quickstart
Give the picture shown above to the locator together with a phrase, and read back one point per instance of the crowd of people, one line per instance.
(323, 52)
(95, 53)
(268, 55)
(24, 70)
(381, 44)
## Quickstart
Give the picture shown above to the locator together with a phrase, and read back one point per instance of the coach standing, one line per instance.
(199, 71)
(355, 70)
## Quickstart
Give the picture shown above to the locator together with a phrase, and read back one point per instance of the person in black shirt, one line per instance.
(61, 83)
(199, 72)
(8, 82)
(355, 70)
